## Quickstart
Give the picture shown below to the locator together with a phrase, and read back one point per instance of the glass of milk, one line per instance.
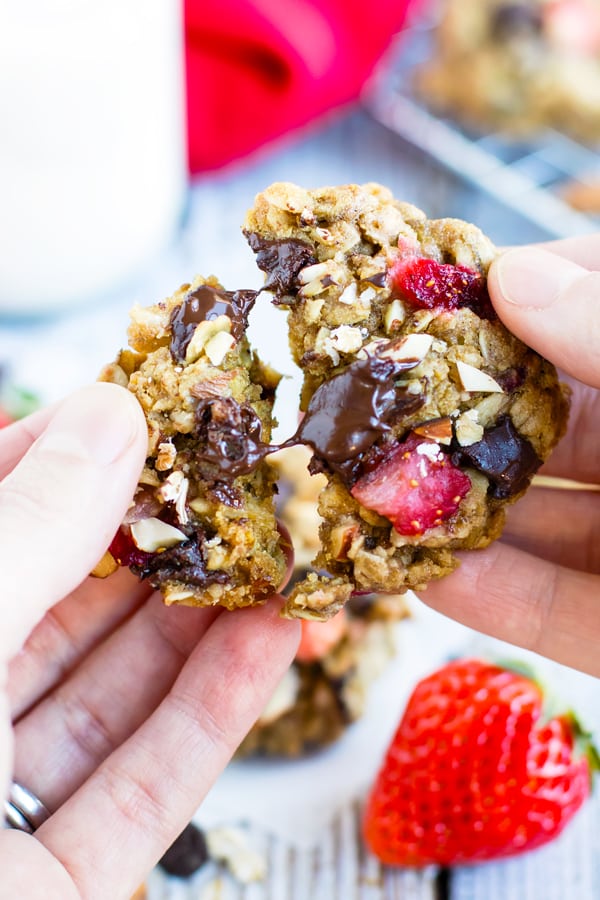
(93, 169)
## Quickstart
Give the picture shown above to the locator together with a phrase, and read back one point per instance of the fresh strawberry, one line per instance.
(474, 772)
(415, 486)
(427, 284)
(318, 638)
(5, 419)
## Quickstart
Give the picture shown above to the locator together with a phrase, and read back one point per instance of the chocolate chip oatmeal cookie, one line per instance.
(517, 65)
(202, 525)
(425, 414)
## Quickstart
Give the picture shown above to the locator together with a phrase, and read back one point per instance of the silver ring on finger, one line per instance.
(23, 810)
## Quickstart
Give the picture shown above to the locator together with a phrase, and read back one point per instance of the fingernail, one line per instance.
(534, 278)
(96, 424)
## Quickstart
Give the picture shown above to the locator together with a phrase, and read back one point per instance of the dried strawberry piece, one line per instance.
(124, 550)
(416, 486)
(427, 284)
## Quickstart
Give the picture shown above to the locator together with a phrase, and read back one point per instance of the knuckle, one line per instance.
(199, 712)
(86, 727)
(140, 801)
(544, 598)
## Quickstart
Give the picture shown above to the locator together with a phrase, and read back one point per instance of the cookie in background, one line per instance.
(518, 66)
(327, 687)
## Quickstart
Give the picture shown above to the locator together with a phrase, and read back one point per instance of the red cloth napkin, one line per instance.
(259, 68)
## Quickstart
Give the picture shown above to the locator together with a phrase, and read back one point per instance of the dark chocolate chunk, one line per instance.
(514, 19)
(379, 279)
(184, 562)
(504, 456)
(348, 413)
(186, 854)
(281, 260)
(204, 304)
(228, 436)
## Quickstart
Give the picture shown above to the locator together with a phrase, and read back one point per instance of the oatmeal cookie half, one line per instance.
(426, 415)
(202, 524)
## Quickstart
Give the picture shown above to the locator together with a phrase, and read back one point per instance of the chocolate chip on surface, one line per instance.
(186, 854)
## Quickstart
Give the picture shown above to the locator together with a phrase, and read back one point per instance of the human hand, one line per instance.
(123, 711)
(538, 587)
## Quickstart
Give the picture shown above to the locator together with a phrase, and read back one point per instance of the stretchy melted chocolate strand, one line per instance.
(507, 458)
(228, 436)
(204, 304)
(184, 563)
(348, 413)
(281, 261)
(345, 417)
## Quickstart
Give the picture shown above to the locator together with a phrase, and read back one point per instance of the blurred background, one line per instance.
(134, 135)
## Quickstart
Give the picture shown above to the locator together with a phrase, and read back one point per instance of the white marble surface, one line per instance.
(55, 355)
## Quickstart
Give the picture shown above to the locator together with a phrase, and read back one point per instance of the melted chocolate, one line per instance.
(204, 304)
(228, 436)
(348, 413)
(225, 492)
(184, 562)
(504, 456)
(281, 260)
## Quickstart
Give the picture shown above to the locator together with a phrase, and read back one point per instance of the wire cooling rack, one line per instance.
(526, 176)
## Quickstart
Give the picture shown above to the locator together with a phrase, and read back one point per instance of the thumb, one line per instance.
(553, 305)
(60, 506)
